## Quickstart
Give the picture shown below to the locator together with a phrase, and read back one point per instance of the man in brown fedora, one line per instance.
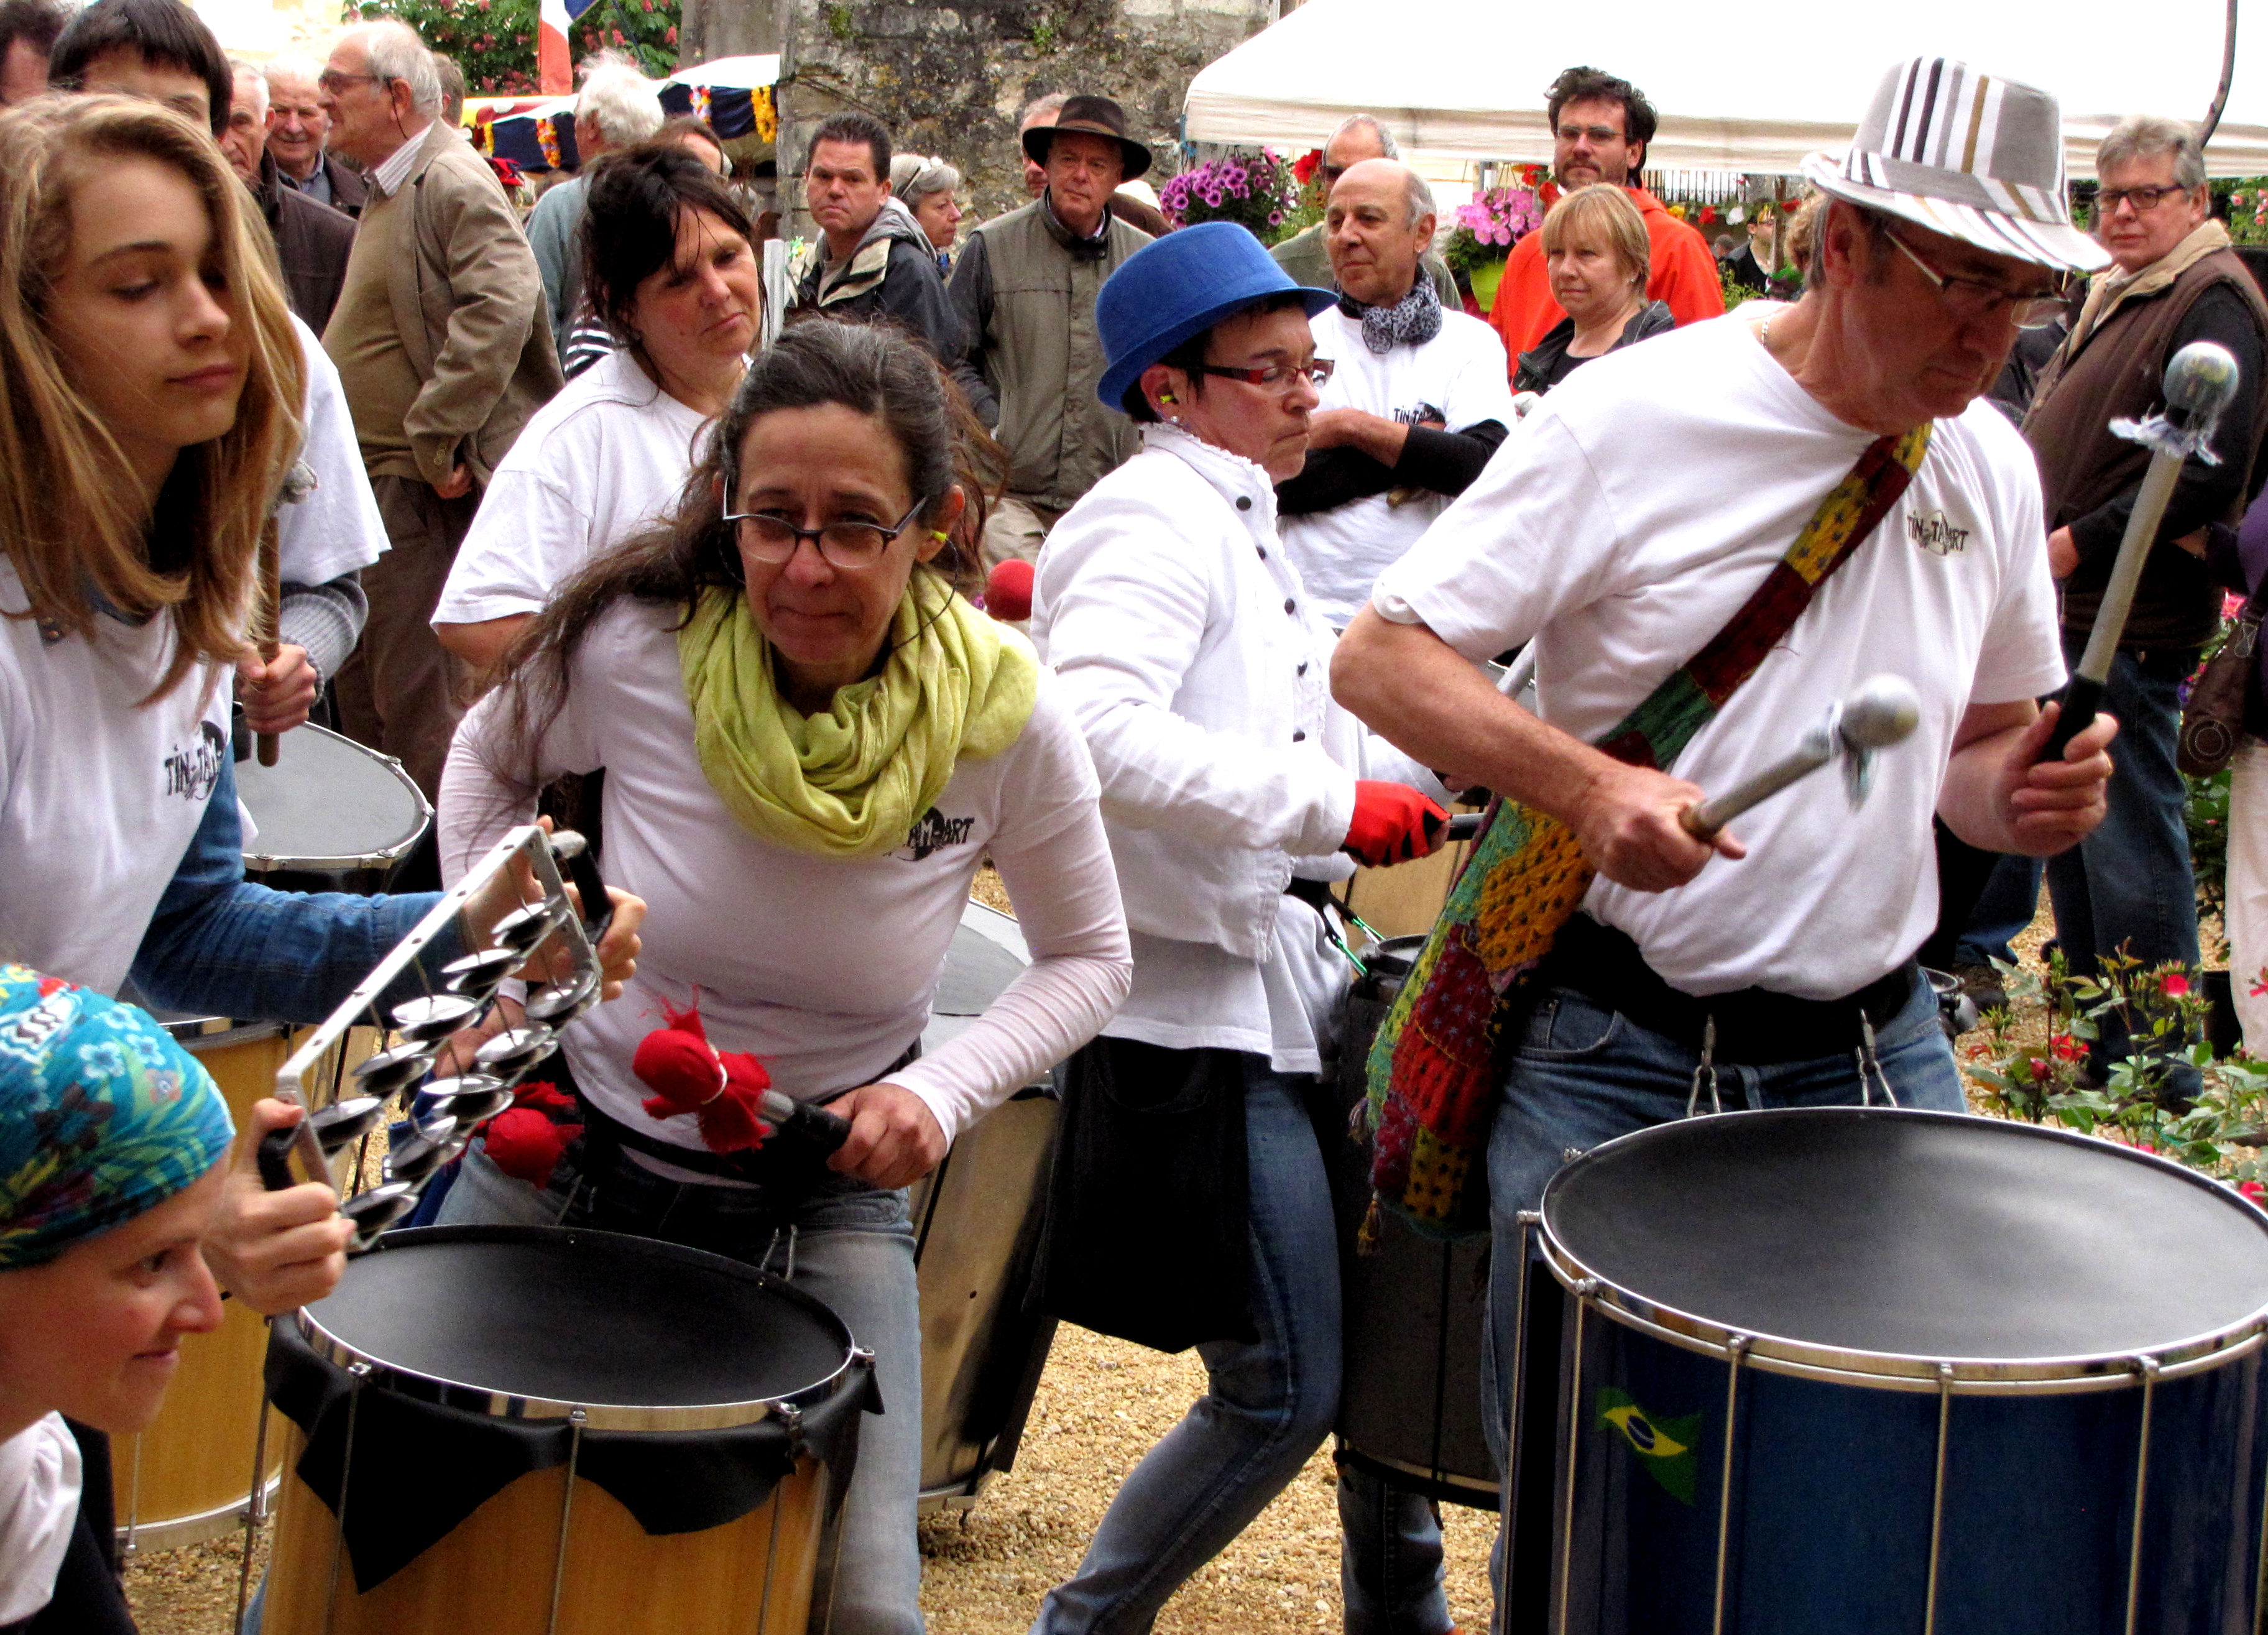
(1025, 286)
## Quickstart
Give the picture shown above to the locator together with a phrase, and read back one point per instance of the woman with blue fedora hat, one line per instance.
(1190, 1202)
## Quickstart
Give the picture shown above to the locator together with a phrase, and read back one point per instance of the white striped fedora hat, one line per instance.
(1970, 155)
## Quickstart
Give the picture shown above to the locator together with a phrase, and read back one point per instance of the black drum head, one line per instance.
(584, 1317)
(1914, 1234)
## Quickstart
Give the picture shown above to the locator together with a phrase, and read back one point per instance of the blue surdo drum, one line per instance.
(1868, 1371)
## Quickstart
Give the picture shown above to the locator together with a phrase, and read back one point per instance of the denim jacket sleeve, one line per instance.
(219, 945)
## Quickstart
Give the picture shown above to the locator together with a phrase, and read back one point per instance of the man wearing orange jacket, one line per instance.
(1601, 125)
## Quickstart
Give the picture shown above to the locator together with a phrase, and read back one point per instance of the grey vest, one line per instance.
(1044, 358)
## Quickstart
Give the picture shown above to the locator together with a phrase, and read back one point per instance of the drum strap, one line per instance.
(764, 1167)
(1433, 1068)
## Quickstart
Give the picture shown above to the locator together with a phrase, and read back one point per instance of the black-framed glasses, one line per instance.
(1974, 298)
(1275, 377)
(2143, 199)
(768, 536)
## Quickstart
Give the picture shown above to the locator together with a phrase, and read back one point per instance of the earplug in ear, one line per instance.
(940, 536)
(1168, 397)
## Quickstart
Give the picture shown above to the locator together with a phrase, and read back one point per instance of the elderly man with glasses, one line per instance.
(1709, 539)
(444, 339)
(1306, 256)
(2174, 280)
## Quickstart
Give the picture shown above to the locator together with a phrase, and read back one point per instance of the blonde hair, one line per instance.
(72, 519)
(1602, 211)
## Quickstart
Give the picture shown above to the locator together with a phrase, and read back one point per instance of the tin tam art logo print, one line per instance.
(1664, 1446)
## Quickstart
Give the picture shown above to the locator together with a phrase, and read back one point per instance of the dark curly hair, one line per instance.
(1595, 84)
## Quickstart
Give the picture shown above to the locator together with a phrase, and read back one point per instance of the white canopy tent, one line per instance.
(1464, 79)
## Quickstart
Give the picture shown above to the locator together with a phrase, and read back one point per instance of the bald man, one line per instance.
(1416, 404)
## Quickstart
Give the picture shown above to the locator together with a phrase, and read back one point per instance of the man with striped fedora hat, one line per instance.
(1709, 540)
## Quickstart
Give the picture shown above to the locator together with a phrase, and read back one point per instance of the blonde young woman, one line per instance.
(147, 374)
(1596, 257)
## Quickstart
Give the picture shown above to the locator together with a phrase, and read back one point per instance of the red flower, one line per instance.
(1304, 167)
(670, 33)
(2039, 1070)
(1708, 213)
(2176, 985)
(2254, 1191)
(2066, 1047)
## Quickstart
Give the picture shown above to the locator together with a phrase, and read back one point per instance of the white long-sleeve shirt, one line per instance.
(822, 967)
(1199, 669)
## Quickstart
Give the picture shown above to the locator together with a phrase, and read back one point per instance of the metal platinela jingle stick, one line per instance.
(444, 1121)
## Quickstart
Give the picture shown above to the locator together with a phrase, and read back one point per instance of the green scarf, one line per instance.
(853, 781)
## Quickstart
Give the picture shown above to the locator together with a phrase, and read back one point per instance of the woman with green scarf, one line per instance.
(810, 740)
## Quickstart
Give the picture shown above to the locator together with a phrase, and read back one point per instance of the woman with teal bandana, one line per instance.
(113, 1143)
(811, 741)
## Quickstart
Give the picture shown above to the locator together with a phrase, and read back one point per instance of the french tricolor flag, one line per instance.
(555, 69)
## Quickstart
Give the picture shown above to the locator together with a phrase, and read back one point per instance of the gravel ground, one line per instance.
(1101, 1404)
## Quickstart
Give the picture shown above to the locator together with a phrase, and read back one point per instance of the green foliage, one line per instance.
(1047, 33)
(494, 41)
(2206, 809)
(839, 23)
(2247, 204)
(2221, 1133)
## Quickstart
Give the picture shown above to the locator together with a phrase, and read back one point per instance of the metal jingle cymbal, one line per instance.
(562, 1003)
(342, 1121)
(479, 1100)
(522, 928)
(419, 1155)
(375, 1210)
(434, 1017)
(478, 976)
(393, 1070)
(513, 1052)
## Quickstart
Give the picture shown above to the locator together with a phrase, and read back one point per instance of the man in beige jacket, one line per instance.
(442, 338)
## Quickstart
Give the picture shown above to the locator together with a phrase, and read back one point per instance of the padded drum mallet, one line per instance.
(2200, 380)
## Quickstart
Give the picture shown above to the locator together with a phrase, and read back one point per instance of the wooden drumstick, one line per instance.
(271, 598)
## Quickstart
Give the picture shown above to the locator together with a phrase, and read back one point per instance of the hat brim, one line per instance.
(1126, 371)
(1040, 139)
(2044, 244)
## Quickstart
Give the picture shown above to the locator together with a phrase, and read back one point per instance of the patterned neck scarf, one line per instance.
(102, 1116)
(1413, 320)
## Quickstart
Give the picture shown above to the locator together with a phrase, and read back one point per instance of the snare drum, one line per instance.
(188, 1477)
(976, 1220)
(1865, 1371)
(522, 1430)
(330, 815)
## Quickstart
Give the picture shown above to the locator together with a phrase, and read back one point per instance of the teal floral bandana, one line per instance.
(102, 1116)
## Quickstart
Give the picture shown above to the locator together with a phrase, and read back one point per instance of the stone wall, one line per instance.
(951, 79)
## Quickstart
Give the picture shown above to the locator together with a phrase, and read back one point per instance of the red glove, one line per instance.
(1008, 592)
(723, 1089)
(1392, 823)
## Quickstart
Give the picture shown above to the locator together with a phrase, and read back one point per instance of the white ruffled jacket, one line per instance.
(1201, 676)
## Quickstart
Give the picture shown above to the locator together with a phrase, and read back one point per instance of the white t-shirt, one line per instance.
(606, 455)
(1622, 524)
(39, 1479)
(1458, 377)
(334, 527)
(824, 968)
(99, 795)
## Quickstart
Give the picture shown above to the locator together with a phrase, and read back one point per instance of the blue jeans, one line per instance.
(2010, 903)
(1270, 1403)
(2129, 885)
(1584, 1075)
(853, 1251)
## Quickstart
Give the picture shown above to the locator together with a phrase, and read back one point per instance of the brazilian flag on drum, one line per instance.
(1666, 1448)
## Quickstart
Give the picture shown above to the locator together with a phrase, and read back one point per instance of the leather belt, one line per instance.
(1754, 1026)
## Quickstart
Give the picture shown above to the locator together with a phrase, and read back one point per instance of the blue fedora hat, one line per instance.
(1179, 286)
